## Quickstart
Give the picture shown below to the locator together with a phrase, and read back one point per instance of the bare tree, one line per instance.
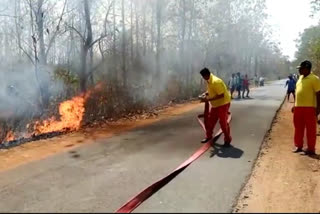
(137, 29)
(159, 21)
(87, 43)
(124, 70)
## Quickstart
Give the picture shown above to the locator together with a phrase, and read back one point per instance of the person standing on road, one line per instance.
(245, 86)
(261, 81)
(220, 98)
(256, 81)
(291, 83)
(232, 84)
(239, 84)
(307, 108)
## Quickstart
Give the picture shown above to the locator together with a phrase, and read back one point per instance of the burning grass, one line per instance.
(71, 114)
(101, 103)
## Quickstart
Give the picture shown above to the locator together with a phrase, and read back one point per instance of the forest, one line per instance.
(67, 63)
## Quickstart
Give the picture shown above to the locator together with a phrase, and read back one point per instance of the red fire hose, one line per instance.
(149, 191)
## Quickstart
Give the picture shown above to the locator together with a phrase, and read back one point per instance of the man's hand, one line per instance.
(204, 100)
(203, 97)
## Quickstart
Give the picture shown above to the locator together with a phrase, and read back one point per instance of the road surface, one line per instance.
(100, 177)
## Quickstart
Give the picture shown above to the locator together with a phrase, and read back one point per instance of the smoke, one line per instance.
(164, 44)
(20, 90)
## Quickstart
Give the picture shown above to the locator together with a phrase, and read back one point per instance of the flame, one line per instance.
(71, 115)
(9, 137)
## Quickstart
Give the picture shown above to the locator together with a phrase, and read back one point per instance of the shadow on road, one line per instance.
(242, 99)
(222, 152)
(316, 157)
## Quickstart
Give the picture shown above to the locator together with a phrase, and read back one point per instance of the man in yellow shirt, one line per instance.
(307, 108)
(219, 97)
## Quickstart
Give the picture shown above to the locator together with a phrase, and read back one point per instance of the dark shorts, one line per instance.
(245, 88)
(291, 92)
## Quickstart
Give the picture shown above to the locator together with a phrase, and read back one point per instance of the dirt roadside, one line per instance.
(282, 181)
(38, 150)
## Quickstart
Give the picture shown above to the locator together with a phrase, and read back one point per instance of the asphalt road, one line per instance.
(101, 177)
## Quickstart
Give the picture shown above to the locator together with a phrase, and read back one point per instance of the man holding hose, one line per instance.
(219, 97)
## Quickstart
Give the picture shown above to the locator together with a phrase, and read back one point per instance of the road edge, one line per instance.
(255, 161)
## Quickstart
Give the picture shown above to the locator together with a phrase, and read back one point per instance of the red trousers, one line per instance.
(305, 118)
(220, 113)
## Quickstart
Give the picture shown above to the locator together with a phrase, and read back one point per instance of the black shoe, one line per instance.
(309, 153)
(227, 144)
(297, 150)
(206, 140)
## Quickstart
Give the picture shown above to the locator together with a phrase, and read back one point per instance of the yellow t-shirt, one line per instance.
(306, 90)
(217, 87)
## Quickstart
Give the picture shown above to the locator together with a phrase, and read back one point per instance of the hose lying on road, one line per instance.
(149, 191)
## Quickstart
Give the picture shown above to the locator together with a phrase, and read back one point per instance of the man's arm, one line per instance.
(316, 88)
(318, 103)
(218, 97)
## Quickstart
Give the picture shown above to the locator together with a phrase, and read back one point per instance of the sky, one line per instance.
(289, 18)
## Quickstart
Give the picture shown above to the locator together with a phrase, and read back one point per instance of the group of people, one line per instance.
(306, 90)
(239, 83)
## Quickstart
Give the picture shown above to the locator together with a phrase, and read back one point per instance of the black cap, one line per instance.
(305, 64)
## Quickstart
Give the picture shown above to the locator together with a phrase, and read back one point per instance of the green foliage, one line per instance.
(68, 77)
(315, 7)
(309, 47)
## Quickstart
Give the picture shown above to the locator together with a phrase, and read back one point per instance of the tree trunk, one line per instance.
(183, 66)
(17, 25)
(39, 18)
(124, 46)
(114, 28)
(144, 32)
(131, 31)
(83, 70)
(159, 18)
(86, 46)
(137, 30)
(152, 29)
(91, 67)
(88, 24)
(190, 45)
(183, 28)
(71, 48)
(114, 74)
(42, 55)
